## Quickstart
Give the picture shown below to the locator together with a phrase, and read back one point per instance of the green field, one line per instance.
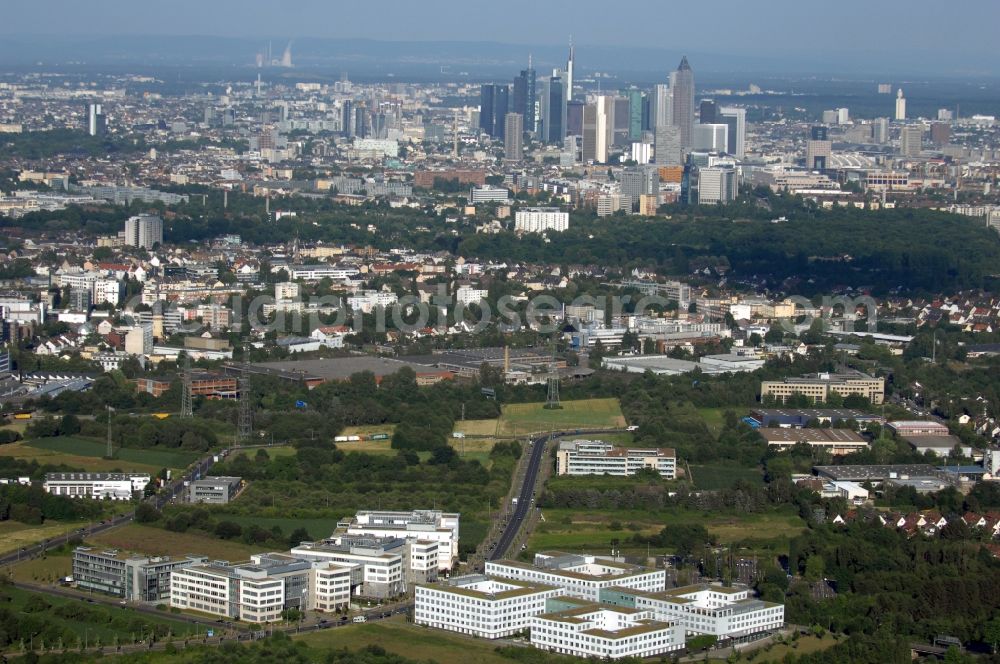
(71, 619)
(417, 643)
(89, 447)
(714, 477)
(593, 530)
(14, 534)
(524, 418)
(803, 645)
(159, 542)
(92, 464)
(715, 418)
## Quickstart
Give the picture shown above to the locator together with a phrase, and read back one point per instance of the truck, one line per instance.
(457, 434)
(513, 502)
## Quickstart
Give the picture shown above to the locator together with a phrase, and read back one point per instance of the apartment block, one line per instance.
(482, 606)
(596, 457)
(579, 575)
(818, 387)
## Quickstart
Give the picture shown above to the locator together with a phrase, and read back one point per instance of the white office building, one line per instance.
(102, 486)
(378, 565)
(707, 609)
(143, 230)
(604, 632)
(427, 525)
(711, 137)
(579, 575)
(539, 220)
(489, 608)
(312, 273)
(368, 301)
(596, 457)
(489, 194)
(717, 184)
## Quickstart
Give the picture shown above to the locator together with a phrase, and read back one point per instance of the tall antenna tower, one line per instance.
(111, 452)
(187, 400)
(552, 397)
(244, 428)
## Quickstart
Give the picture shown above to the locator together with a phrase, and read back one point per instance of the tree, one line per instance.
(298, 536)
(991, 633)
(146, 513)
(228, 530)
(815, 568)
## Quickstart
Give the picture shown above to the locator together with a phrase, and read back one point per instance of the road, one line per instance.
(524, 500)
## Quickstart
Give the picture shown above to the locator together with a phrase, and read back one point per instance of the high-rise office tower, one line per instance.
(598, 123)
(513, 135)
(638, 181)
(648, 104)
(361, 122)
(880, 130)
(736, 119)
(97, 123)
(635, 99)
(711, 137)
(347, 118)
(487, 99)
(553, 105)
(574, 118)
(819, 149)
(911, 140)
(682, 92)
(708, 112)
(900, 106)
(668, 151)
(523, 97)
(501, 106)
(663, 111)
(570, 64)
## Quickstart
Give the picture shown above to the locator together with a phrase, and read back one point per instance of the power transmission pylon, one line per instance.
(552, 396)
(187, 401)
(244, 428)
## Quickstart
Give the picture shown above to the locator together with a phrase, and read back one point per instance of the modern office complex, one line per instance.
(483, 606)
(135, 578)
(378, 564)
(818, 387)
(423, 525)
(596, 457)
(102, 486)
(705, 609)
(579, 575)
(584, 629)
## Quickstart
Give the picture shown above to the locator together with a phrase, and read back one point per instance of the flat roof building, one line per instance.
(818, 387)
(426, 525)
(133, 577)
(579, 575)
(596, 457)
(837, 442)
(214, 490)
(101, 486)
(601, 631)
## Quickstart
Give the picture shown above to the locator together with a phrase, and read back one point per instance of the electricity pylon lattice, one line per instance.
(187, 400)
(244, 428)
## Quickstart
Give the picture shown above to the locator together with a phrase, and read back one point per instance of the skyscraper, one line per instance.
(638, 181)
(880, 130)
(711, 137)
(513, 135)
(819, 149)
(708, 112)
(523, 97)
(574, 118)
(900, 106)
(487, 98)
(97, 123)
(635, 98)
(553, 105)
(736, 119)
(911, 140)
(143, 230)
(682, 93)
(663, 111)
(668, 151)
(598, 129)
(569, 71)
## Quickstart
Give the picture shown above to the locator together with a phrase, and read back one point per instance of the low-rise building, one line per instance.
(579, 575)
(818, 387)
(214, 490)
(133, 577)
(724, 612)
(378, 563)
(103, 486)
(584, 629)
(596, 457)
(837, 442)
(483, 606)
(428, 525)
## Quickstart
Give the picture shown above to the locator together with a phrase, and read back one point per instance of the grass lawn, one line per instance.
(160, 542)
(713, 477)
(468, 448)
(407, 640)
(714, 418)
(50, 569)
(91, 447)
(368, 429)
(92, 622)
(523, 418)
(804, 645)
(28, 452)
(477, 427)
(593, 530)
(14, 535)
(318, 528)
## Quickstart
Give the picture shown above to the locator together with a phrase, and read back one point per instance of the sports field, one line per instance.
(524, 418)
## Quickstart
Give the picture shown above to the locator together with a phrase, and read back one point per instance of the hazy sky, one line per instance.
(765, 27)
